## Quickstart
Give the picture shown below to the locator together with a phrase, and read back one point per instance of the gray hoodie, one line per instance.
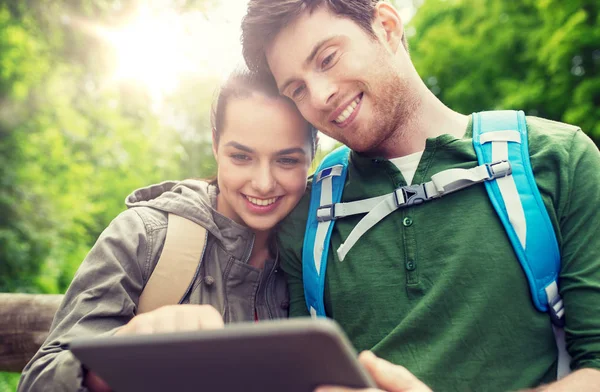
(104, 293)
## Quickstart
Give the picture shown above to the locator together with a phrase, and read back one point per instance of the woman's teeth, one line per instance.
(261, 202)
(348, 111)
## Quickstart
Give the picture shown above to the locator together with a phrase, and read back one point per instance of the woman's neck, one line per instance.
(261, 249)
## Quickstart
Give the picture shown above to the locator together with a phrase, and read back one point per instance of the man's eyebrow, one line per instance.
(308, 60)
(316, 49)
(239, 146)
(291, 151)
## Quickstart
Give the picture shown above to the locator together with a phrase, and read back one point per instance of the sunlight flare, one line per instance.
(160, 47)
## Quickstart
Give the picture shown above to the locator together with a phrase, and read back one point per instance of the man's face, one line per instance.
(343, 80)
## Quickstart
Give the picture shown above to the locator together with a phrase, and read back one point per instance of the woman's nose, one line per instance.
(264, 181)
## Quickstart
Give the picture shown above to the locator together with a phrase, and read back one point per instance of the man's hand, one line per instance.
(171, 318)
(387, 376)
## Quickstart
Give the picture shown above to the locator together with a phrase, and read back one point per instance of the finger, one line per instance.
(196, 317)
(142, 325)
(209, 318)
(185, 320)
(331, 388)
(390, 377)
(95, 384)
(135, 326)
(189, 318)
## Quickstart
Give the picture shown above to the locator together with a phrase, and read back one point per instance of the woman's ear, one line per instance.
(388, 25)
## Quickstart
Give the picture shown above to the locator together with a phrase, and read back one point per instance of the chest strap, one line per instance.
(377, 208)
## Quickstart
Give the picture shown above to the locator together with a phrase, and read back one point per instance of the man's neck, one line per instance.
(429, 118)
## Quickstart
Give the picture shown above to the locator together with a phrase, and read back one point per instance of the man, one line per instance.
(437, 287)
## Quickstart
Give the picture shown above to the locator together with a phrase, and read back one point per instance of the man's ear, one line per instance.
(388, 25)
(214, 143)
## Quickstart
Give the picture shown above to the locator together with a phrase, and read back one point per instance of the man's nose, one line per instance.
(322, 93)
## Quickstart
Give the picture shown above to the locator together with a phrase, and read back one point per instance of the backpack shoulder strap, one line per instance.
(502, 135)
(177, 265)
(327, 187)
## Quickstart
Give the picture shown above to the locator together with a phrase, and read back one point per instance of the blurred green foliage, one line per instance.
(71, 150)
(541, 56)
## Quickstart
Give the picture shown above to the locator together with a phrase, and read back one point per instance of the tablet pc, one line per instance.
(294, 355)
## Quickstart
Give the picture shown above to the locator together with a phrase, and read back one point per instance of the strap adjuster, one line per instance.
(326, 213)
(410, 195)
(498, 169)
(556, 309)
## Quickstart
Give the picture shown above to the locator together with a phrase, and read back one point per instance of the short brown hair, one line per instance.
(266, 18)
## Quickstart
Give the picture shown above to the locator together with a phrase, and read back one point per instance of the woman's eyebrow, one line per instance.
(291, 151)
(239, 146)
(285, 151)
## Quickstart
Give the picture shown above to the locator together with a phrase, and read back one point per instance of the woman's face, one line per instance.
(263, 155)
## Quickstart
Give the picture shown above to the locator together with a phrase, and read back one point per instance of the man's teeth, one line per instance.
(348, 111)
(261, 202)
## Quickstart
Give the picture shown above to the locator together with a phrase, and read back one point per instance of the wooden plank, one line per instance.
(25, 320)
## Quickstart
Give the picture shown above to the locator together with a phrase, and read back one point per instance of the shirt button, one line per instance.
(410, 265)
(407, 221)
(209, 280)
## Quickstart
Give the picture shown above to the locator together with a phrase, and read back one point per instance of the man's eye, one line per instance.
(328, 60)
(297, 92)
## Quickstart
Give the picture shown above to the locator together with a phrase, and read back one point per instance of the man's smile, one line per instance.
(343, 115)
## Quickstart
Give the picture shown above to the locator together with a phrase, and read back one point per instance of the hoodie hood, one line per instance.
(195, 200)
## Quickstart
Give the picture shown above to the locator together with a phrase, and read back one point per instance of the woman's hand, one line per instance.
(171, 318)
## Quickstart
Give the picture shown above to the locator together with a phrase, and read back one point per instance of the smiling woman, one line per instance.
(263, 149)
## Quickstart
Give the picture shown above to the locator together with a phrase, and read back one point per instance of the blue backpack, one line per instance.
(501, 144)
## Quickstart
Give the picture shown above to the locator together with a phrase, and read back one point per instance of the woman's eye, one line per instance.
(288, 161)
(240, 157)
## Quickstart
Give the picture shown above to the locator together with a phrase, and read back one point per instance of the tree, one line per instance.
(71, 147)
(542, 56)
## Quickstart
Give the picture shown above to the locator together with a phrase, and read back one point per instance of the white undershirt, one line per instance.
(408, 165)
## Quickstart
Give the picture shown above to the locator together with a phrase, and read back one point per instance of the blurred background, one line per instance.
(99, 97)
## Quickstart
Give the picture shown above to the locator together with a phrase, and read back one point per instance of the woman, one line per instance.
(263, 149)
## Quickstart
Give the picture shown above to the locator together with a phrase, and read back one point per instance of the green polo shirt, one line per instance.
(437, 287)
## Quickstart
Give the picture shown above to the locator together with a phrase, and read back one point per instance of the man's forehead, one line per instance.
(289, 49)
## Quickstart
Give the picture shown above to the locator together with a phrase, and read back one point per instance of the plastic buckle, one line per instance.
(326, 213)
(498, 169)
(557, 319)
(412, 195)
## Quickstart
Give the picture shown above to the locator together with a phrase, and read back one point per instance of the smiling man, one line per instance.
(435, 287)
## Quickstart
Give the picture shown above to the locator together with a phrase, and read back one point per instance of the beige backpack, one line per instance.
(177, 265)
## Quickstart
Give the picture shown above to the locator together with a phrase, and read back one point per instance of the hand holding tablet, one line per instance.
(283, 355)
